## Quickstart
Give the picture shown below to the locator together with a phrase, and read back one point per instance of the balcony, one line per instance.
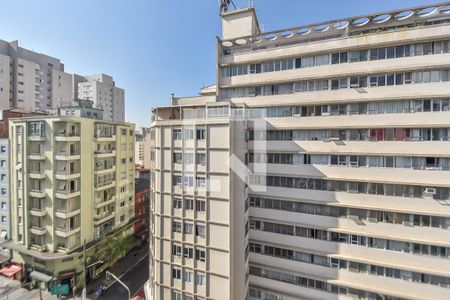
(104, 169)
(36, 137)
(65, 231)
(101, 203)
(67, 194)
(36, 155)
(37, 247)
(67, 174)
(105, 185)
(106, 216)
(38, 211)
(67, 155)
(67, 212)
(38, 230)
(68, 137)
(36, 174)
(37, 193)
(104, 153)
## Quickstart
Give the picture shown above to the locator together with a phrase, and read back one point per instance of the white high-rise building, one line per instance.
(37, 82)
(31, 80)
(338, 138)
(102, 90)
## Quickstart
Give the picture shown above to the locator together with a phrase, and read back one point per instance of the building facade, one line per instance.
(103, 92)
(141, 207)
(38, 82)
(31, 80)
(319, 163)
(72, 183)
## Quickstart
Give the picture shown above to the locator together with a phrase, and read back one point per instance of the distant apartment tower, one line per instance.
(72, 180)
(31, 80)
(142, 145)
(103, 92)
(341, 130)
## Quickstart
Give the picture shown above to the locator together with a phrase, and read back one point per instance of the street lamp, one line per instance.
(118, 280)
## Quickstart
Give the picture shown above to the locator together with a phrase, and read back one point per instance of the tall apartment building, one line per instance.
(38, 82)
(72, 182)
(342, 130)
(31, 80)
(103, 92)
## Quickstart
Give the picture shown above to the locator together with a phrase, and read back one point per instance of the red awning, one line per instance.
(10, 270)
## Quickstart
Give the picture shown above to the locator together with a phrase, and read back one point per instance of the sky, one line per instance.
(154, 48)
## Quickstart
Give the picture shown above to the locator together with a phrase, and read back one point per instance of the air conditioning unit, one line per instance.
(407, 223)
(430, 191)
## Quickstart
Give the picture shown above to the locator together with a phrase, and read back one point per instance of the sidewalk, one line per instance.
(120, 268)
(15, 292)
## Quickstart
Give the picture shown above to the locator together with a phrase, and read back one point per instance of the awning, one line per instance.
(10, 270)
(40, 276)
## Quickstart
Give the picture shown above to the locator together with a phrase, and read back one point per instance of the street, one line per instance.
(135, 278)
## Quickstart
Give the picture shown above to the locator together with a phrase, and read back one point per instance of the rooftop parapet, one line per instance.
(384, 21)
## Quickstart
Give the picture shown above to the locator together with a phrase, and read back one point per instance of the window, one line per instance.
(176, 226)
(200, 255)
(3, 163)
(177, 134)
(200, 230)
(3, 191)
(188, 252)
(188, 204)
(200, 159)
(122, 219)
(177, 203)
(176, 273)
(3, 177)
(188, 276)
(4, 205)
(200, 133)
(200, 182)
(188, 228)
(176, 296)
(200, 205)
(188, 134)
(3, 219)
(2, 149)
(200, 279)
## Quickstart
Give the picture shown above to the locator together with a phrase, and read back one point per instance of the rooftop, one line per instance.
(402, 18)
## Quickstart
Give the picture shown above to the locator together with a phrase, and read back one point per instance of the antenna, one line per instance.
(224, 4)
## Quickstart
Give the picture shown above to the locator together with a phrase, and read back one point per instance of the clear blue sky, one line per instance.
(153, 48)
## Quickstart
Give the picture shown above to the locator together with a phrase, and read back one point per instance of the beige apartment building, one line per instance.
(337, 135)
(72, 183)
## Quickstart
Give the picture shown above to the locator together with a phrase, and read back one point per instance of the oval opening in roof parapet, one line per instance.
(257, 40)
(445, 9)
(241, 41)
(360, 22)
(287, 34)
(341, 25)
(426, 12)
(403, 15)
(304, 31)
(322, 28)
(271, 37)
(227, 44)
(381, 18)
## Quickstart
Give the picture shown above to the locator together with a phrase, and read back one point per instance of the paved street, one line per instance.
(134, 279)
(132, 270)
